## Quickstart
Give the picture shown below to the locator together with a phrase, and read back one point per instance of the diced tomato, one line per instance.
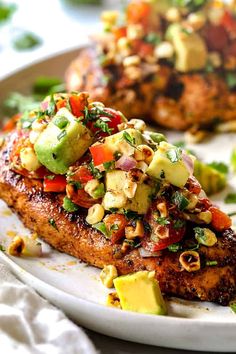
(55, 184)
(119, 32)
(115, 224)
(204, 204)
(175, 235)
(82, 174)
(115, 119)
(101, 154)
(142, 48)
(138, 12)
(11, 123)
(220, 221)
(229, 22)
(61, 104)
(80, 197)
(216, 37)
(78, 103)
(193, 185)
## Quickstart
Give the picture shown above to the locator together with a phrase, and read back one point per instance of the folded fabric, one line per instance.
(30, 325)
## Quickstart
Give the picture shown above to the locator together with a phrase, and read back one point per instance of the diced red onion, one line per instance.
(44, 105)
(145, 253)
(126, 163)
(188, 161)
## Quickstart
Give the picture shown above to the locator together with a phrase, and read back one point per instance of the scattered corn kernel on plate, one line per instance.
(76, 288)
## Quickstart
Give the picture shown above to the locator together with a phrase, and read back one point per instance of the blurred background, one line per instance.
(31, 30)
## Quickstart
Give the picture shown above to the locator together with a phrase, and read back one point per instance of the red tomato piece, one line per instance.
(83, 199)
(56, 184)
(78, 103)
(119, 32)
(193, 185)
(229, 22)
(138, 12)
(115, 119)
(120, 222)
(101, 154)
(82, 174)
(175, 235)
(217, 37)
(142, 48)
(61, 104)
(220, 221)
(11, 123)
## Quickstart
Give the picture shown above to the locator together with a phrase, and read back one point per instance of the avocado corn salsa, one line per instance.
(137, 189)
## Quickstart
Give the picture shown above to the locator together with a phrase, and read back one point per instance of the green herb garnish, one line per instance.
(231, 80)
(175, 247)
(232, 305)
(100, 226)
(199, 235)
(27, 40)
(162, 221)
(131, 215)
(179, 200)
(26, 121)
(50, 177)
(6, 11)
(76, 184)
(99, 191)
(127, 137)
(102, 124)
(152, 38)
(69, 206)
(51, 110)
(109, 165)
(211, 263)
(2, 248)
(114, 227)
(53, 223)
(45, 84)
(230, 198)
(178, 224)
(95, 171)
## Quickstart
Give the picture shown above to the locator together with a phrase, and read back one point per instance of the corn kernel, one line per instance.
(144, 153)
(16, 247)
(208, 238)
(196, 20)
(132, 232)
(205, 216)
(29, 159)
(91, 186)
(138, 124)
(108, 274)
(190, 261)
(131, 60)
(95, 214)
(164, 50)
(173, 14)
(113, 300)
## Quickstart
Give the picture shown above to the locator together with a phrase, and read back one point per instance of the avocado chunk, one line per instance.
(190, 49)
(140, 292)
(116, 198)
(124, 141)
(167, 164)
(63, 142)
(211, 180)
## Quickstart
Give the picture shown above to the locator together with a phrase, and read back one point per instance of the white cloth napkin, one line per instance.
(30, 325)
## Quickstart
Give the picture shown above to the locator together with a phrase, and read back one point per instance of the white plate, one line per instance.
(75, 287)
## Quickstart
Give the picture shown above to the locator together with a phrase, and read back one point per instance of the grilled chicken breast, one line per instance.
(71, 234)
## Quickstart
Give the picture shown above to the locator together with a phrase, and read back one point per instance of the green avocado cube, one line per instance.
(140, 292)
(124, 141)
(167, 164)
(63, 142)
(211, 180)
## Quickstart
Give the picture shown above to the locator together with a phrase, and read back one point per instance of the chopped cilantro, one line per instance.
(199, 235)
(76, 184)
(94, 114)
(26, 121)
(26, 40)
(6, 11)
(219, 166)
(174, 155)
(62, 135)
(69, 206)
(180, 144)
(131, 215)
(211, 263)
(178, 224)
(51, 110)
(127, 137)
(114, 227)
(53, 223)
(102, 124)
(192, 5)
(100, 226)
(113, 210)
(162, 221)
(45, 84)
(190, 245)
(230, 198)
(179, 200)
(109, 165)
(50, 177)
(152, 38)
(175, 247)
(95, 171)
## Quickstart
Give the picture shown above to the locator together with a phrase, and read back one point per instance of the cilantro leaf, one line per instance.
(162, 221)
(53, 223)
(175, 247)
(26, 40)
(127, 137)
(179, 200)
(6, 11)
